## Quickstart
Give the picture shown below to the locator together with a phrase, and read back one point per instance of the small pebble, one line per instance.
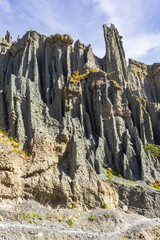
(39, 235)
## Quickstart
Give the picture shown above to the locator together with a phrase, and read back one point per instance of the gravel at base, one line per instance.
(30, 220)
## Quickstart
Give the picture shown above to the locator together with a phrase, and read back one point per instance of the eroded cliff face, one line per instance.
(101, 119)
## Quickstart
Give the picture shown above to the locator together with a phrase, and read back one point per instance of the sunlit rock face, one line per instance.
(100, 116)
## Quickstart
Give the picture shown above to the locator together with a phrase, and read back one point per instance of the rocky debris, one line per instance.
(30, 220)
(140, 199)
(136, 196)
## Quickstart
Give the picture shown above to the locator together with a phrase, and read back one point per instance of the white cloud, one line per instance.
(43, 12)
(44, 16)
(140, 45)
(135, 20)
(5, 6)
(151, 56)
(123, 14)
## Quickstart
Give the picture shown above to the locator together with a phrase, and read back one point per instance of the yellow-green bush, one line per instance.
(70, 222)
(155, 185)
(76, 77)
(9, 141)
(153, 149)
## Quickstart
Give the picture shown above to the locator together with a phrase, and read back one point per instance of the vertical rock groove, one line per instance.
(112, 111)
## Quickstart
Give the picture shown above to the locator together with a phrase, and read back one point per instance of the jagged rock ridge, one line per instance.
(104, 119)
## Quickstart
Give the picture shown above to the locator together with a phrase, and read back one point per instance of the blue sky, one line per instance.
(138, 21)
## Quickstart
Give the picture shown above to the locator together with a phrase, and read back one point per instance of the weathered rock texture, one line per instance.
(138, 196)
(51, 178)
(74, 129)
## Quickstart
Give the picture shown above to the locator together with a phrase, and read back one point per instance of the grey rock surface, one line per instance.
(102, 119)
(136, 196)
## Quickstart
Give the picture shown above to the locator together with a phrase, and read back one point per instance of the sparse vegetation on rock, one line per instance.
(153, 149)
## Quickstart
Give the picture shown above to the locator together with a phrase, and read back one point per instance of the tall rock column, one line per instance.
(114, 62)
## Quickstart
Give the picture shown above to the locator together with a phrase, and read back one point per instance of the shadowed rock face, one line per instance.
(104, 119)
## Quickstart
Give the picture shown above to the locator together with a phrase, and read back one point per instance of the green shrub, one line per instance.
(70, 222)
(60, 220)
(110, 173)
(48, 216)
(153, 149)
(120, 175)
(155, 185)
(93, 217)
(74, 205)
(30, 216)
(106, 205)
